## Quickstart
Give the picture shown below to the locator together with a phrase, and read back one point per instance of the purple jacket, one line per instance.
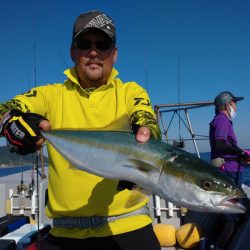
(221, 127)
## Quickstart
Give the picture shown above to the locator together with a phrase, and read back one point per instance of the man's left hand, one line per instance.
(143, 135)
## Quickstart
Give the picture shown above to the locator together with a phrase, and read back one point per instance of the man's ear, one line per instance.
(227, 106)
(72, 53)
(115, 55)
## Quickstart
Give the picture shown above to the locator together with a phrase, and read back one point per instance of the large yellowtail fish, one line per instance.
(157, 167)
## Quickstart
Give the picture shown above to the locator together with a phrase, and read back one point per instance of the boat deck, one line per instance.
(162, 213)
(10, 200)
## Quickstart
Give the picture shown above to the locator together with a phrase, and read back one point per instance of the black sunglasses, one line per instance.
(101, 45)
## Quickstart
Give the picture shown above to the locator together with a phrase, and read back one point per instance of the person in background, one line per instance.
(229, 158)
(225, 152)
(87, 211)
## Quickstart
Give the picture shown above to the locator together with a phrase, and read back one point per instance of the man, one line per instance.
(225, 153)
(91, 97)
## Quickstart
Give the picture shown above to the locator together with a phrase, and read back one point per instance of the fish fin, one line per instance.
(137, 195)
(141, 165)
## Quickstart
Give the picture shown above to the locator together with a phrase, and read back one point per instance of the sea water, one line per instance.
(4, 171)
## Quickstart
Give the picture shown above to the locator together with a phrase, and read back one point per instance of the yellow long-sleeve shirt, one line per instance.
(75, 193)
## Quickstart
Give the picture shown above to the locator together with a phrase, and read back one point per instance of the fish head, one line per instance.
(218, 193)
(197, 185)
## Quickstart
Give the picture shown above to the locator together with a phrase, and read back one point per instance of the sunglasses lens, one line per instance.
(103, 45)
(83, 44)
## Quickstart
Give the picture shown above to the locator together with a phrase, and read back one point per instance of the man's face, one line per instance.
(94, 56)
(233, 105)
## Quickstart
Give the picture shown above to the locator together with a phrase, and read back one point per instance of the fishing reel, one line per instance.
(21, 188)
(31, 189)
(21, 191)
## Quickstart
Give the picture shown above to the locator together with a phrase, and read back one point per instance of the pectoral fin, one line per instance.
(142, 166)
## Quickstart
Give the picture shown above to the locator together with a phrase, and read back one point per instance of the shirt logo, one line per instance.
(141, 101)
(31, 93)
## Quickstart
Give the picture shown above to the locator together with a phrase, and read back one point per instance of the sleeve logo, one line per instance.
(141, 101)
(31, 93)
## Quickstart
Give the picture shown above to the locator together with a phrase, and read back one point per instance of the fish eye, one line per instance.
(207, 185)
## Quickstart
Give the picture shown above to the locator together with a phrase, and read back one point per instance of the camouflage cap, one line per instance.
(94, 20)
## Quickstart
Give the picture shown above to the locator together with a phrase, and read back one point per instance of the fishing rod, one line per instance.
(179, 143)
(37, 153)
(21, 189)
(63, 60)
(38, 203)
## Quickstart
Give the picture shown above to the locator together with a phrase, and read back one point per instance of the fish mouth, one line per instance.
(232, 203)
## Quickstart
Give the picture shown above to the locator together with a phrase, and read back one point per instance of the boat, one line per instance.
(23, 199)
(215, 234)
(23, 195)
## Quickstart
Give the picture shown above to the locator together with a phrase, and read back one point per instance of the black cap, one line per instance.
(94, 20)
(224, 97)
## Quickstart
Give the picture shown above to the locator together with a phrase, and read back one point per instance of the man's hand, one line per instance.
(125, 185)
(22, 131)
(143, 135)
(245, 158)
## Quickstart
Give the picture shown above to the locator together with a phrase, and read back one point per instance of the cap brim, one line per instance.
(236, 99)
(82, 31)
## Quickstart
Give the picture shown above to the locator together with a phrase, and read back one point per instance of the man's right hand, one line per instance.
(122, 185)
(22, 131)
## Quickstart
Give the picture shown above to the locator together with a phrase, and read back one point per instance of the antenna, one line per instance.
(178, 79)
(27, 79)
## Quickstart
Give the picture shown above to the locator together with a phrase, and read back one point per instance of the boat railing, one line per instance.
(181, 111)
(20, 202)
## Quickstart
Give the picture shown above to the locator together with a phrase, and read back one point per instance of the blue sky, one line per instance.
(209, 38)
